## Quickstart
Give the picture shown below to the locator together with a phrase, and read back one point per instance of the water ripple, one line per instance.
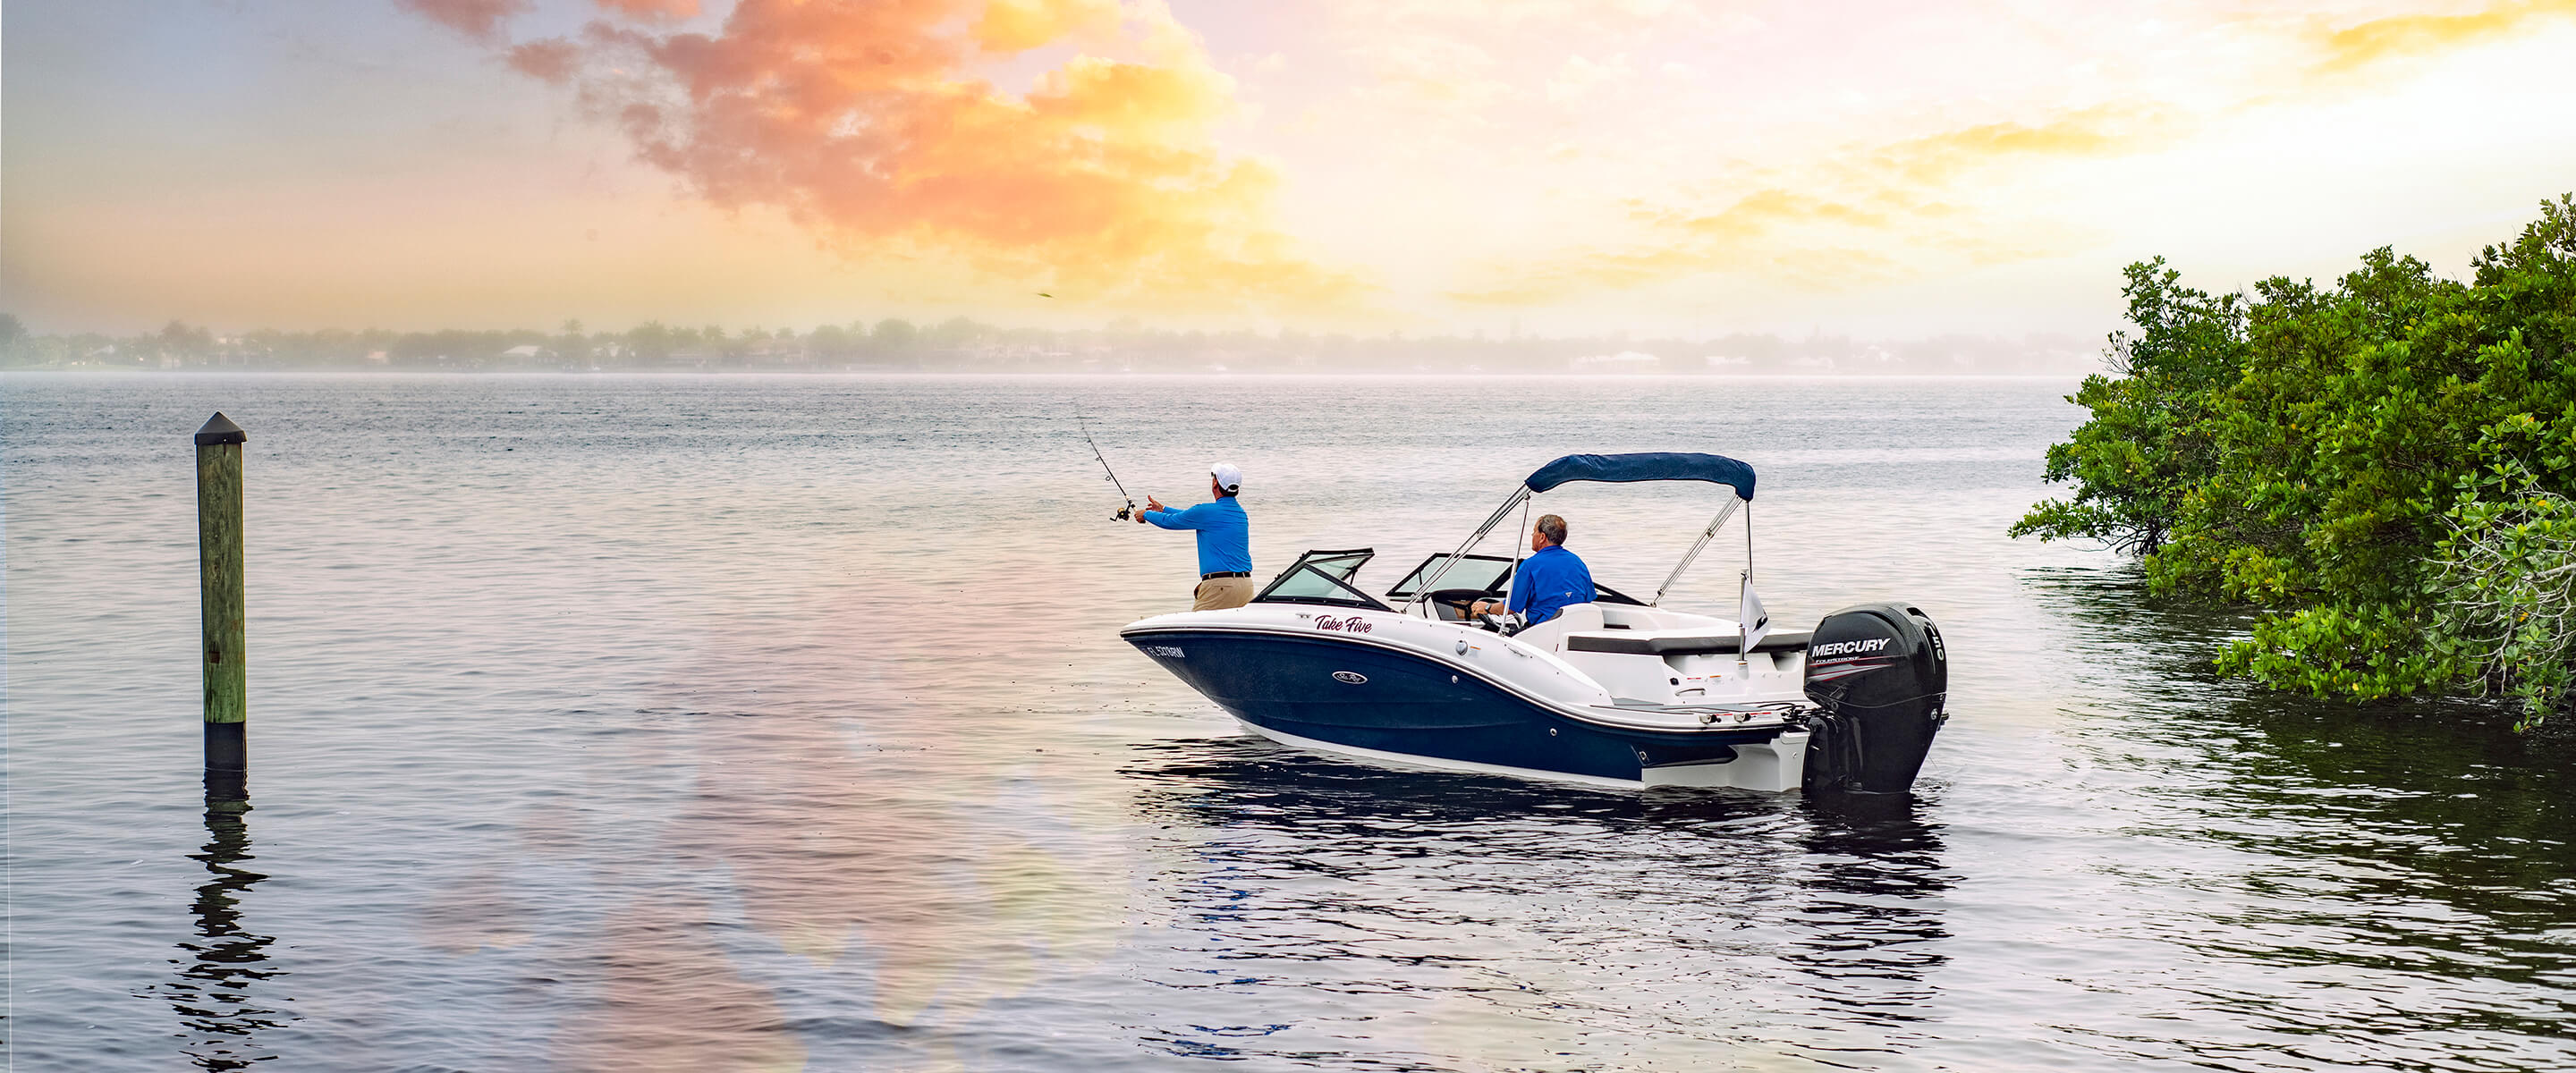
(769, 723)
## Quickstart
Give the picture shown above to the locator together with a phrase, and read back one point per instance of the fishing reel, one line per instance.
(1125, 513)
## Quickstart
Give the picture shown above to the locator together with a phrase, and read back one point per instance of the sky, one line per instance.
(1662, 167)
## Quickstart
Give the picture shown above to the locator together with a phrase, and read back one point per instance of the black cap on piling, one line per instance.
(220, 429)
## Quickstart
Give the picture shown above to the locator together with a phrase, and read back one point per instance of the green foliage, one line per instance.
(2351, 460)
(2147, 448)
(2504, 593)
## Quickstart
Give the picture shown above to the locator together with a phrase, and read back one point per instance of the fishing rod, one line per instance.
(1124, 512)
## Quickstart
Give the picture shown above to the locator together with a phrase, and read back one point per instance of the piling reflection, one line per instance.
(217, 990)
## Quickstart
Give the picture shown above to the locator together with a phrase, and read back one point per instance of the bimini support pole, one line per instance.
(1723, 513)
(1422, 592)
(1523, 543)
(1743, 629)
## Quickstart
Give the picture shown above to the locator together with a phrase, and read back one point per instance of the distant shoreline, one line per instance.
(963, 346)
(1035, 374)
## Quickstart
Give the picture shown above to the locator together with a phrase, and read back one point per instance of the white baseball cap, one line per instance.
(1227, 477)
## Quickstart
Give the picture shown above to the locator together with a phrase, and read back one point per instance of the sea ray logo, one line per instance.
(1353, 677)
(1165, 651)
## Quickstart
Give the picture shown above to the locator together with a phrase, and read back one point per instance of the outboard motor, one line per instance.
(1881, 675)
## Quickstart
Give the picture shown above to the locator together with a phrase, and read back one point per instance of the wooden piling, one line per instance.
(221, 602)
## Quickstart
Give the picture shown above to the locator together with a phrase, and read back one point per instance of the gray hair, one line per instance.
(1553, 526)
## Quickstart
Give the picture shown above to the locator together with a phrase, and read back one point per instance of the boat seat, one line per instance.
(1551, 634)
(1574, 617)
(1640, 643)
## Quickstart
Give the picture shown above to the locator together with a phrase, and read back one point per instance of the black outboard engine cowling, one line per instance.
(1881, 675)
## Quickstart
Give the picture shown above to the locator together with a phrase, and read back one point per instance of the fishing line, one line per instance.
(1124, 512)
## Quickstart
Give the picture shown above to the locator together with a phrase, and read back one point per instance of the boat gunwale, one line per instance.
(1705, 733)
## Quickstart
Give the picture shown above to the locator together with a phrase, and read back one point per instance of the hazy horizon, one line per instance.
(964, 345)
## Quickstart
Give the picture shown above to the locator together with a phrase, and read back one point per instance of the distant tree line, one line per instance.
(2382, 467)
(965, 345)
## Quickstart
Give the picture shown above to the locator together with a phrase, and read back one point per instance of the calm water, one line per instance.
(773, 724)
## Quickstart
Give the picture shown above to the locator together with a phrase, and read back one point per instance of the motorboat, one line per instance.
(1616, 692)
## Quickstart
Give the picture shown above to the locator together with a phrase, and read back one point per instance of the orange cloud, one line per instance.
(1685, 243)
(2089, 132)
(1892, 198)
(2406, 35)
(477, 19)
(865, 120)
(1019, 25)
(1874, 194)
(1756, 214)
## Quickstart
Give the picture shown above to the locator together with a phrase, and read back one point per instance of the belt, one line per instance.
(1225, 573)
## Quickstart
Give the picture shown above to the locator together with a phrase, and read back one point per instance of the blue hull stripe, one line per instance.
(1409, 704)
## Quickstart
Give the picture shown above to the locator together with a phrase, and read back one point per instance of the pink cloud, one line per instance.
(551, 60)
(673, 10)
(477, 19)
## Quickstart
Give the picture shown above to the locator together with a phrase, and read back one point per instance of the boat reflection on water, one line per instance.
(1874, 878)
(216, 988)
(1488, 919)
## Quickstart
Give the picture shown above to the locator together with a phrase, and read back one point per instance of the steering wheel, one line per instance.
(1459, 600)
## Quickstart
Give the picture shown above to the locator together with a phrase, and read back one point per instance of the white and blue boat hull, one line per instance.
(1479, 706)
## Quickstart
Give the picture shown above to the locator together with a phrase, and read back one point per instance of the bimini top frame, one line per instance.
(1625, 469)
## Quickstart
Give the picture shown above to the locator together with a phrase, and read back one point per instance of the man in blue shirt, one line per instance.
(1225, 539)
(1550, 580)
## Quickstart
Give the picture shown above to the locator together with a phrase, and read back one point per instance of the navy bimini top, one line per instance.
(1225, 533)
(1549, 582)
(1652, 466)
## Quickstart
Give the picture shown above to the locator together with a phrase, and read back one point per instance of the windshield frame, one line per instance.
(1424, 569)
(1604, 594)
(1308, 564)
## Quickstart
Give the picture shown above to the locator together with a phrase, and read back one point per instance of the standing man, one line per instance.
(1225, 539)
(1550, 580)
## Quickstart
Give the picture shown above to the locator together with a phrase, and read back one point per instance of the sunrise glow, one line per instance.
(1413, 165)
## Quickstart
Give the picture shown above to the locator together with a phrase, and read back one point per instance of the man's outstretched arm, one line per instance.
(1167, 518)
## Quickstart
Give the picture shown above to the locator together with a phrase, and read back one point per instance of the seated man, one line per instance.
(1550, 580)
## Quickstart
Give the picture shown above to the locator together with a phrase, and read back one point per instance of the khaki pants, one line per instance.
(1220, 593)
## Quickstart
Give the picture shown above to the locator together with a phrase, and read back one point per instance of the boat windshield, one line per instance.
(1477, 573)
(1321, 577)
